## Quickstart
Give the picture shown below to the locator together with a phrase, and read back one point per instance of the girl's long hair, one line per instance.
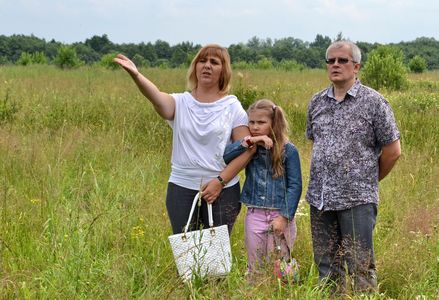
(279, 132)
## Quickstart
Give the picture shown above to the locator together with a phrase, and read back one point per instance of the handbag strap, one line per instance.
(194, 203)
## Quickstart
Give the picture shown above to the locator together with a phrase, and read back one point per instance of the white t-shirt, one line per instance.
(201, 132)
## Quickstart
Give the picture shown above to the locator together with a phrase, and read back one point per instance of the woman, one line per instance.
(203, 121)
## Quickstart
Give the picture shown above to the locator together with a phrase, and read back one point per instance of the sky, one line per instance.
(224, 22)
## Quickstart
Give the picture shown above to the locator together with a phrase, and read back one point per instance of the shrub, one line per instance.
(162, 63)
(140, 61)
(247, 94)
(418, 64)
(107, 61)
(25, 59)
(264, 64)
(290, 65)
(243, 65)
(385, 69)
(32, 58)
(67, 58)
(39, 58)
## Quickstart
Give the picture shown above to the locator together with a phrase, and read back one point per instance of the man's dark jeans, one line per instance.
(343, 245)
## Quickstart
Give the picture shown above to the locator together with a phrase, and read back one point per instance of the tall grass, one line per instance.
(84, 162)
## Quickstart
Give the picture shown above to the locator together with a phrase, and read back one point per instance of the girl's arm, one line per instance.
(213, 188)
(240, 146)
(293, 178)
(163, 103)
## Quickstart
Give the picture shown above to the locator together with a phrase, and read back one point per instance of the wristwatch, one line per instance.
(221, 180)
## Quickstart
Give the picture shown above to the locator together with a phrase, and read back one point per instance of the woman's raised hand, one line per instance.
(127, 64)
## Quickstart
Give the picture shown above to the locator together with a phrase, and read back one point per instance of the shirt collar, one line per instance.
(353, 91)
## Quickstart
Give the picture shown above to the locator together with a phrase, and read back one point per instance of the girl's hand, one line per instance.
(127, 64)
(262, 140)
(279, 225)
(211, 190)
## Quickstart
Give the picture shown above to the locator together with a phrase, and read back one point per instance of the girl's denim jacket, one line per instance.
(260, 188)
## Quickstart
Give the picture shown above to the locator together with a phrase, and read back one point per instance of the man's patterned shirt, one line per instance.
(348, 136)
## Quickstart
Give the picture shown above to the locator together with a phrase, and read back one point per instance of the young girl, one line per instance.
(273, 184)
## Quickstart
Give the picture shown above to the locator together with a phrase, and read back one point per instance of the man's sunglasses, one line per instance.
(341, 60)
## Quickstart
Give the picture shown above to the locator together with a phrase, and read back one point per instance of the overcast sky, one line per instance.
(221, 21)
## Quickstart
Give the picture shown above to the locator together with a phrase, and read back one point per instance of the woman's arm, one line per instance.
(213, 188)
(163, 103)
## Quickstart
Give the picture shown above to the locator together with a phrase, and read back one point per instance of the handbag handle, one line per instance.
(194, 203)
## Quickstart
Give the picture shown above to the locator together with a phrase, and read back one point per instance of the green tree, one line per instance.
(321, 42)
(4, 60)
(18, 44)
(179, 57)
(240, 52)
(285, 48)
(100, 44)
(385, 69)
(426, 47)
(86, 53)
(148, 52)
(418, 64)
(67, 58)
(163, 50)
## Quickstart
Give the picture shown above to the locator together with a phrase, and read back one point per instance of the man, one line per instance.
(355, 144)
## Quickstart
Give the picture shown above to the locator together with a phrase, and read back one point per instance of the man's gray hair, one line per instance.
(355, 51)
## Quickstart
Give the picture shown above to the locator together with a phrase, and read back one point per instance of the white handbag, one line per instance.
(204, 252)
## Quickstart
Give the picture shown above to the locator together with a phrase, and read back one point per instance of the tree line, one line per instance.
(287, 53)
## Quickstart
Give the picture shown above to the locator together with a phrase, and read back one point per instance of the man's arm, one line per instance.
(389, 155)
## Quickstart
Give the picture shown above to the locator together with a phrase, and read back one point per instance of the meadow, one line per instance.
(84, 164)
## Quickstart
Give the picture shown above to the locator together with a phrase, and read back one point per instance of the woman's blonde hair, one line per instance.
(226, 72)
(279, 132)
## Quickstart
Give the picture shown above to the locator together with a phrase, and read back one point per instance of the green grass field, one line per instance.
(84, 163)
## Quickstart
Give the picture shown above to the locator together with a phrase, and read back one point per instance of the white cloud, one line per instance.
(341, 10)
(221, 21)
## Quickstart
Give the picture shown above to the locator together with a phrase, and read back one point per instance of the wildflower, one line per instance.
(35, 201)
(137, 232)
